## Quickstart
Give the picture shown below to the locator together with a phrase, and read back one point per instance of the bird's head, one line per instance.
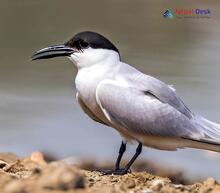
(84, 49)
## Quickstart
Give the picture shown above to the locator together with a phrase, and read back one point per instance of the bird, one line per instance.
(140, 107)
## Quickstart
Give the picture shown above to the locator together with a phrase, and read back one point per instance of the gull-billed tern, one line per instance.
(140, 107)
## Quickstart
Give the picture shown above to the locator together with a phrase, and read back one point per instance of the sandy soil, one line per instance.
(34, 175)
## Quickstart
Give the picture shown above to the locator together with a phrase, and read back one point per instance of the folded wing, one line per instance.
(143, 112)
(152, 85)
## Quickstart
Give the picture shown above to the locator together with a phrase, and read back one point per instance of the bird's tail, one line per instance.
(211, 133)
(210, 129)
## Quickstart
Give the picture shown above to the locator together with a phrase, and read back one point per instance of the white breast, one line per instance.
(94, 66)
(86, 82)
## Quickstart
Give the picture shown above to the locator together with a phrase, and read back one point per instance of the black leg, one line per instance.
(125, 170)
(121, 152)
(117, 164)
(138, 152)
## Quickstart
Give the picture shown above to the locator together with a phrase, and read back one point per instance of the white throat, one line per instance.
(94, 65)
(90, 56)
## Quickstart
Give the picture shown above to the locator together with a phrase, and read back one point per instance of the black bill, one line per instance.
(53, 51)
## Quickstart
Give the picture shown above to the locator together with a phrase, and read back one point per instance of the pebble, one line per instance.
(15, 186)
(157, 184)
(210, 182)
(130, 183)
(180, 187)
(36, 157)
(61, 177)
(147, 191)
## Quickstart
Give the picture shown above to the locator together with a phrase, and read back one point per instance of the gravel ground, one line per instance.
(34, 175)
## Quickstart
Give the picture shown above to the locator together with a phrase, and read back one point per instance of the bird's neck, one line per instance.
(95, 73)
(89, 77)
(95, 57)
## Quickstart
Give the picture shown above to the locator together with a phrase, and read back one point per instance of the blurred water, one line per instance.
(37, 106)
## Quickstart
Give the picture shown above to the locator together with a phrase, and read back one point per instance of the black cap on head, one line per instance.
(78, 43)
(90, 39)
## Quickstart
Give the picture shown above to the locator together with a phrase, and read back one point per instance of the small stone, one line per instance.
(147, 191)
(131, 184)
(210, 182)
(10, 166)
(15, 187)
(60, 176)
(8, 157)
(128, 184)
(157, 184)
(179, 186)
(37, 157)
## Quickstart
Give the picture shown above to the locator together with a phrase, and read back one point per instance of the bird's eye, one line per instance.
(84, 44)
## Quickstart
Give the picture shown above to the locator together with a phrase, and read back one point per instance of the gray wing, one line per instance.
(159, 89)
(142, 113)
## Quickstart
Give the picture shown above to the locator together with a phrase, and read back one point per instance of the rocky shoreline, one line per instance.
(33, 175)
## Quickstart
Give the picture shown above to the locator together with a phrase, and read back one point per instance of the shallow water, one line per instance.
(37, 106)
